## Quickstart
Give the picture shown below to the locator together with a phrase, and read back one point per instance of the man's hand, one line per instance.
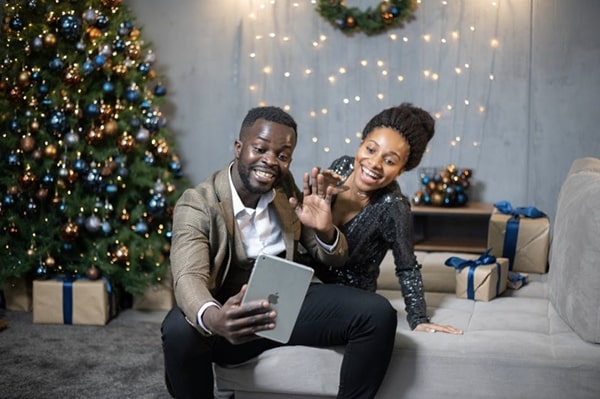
(315, 210)
(238, 323)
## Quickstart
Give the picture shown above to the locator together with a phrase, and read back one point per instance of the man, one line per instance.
(251, 207)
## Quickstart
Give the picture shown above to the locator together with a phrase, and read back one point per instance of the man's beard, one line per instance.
(244, 173)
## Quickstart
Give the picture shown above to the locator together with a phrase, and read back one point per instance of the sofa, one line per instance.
(539, 341)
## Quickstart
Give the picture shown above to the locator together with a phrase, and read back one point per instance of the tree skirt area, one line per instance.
(122, 359)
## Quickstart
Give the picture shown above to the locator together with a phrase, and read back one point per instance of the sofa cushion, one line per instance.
(505, 339)
(574, 275)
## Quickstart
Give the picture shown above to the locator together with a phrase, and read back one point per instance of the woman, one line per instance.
(374, 214)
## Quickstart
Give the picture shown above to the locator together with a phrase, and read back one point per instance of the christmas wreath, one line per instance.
(373, 21)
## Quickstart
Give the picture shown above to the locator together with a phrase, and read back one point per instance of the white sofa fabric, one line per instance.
(535, 342)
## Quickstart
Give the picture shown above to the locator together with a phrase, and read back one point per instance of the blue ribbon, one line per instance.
(509, 247)
(67, 295)
(472, 264)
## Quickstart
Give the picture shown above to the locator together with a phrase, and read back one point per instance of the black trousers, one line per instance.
(331, 315)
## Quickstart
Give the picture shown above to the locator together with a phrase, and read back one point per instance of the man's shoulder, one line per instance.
(211, 189)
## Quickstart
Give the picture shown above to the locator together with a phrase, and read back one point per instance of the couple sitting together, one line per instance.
(252, 206)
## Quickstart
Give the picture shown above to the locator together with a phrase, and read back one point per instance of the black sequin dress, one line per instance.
(383, 224)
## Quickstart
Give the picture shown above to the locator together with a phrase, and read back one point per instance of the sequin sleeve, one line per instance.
(399, 232)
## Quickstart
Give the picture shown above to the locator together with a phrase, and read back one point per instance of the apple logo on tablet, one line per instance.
(273, 298)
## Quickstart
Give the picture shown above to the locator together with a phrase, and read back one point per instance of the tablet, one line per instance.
(284, 284)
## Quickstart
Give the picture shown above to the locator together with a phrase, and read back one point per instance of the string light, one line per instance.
(362, 76)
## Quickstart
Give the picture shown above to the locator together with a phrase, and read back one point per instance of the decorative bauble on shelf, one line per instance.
(443, 186)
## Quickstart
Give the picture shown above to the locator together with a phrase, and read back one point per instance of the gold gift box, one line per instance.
(17, 294)
(533, 242)
(487, 281)
(156, 297)
(78, 302)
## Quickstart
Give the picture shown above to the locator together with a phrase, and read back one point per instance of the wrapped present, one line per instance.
(517, 280)
(156, 297)
(522, 235)
(72, 301)
(480, 279)
(17, 294)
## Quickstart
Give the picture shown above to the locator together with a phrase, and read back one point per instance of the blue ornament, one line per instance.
(132, 95)
(13, 160)
(111, 189)
(108, 87)
(141, 227)
(57, 122)
(149, 158)
(106, 228)
(462, 198)
(92, 110)
(99, 60)
(87, 67)
(16, 24)
(144, 68)
(43, 89)
(146, 105)
(157, 205)
(8, 200)
(46, 102)
(48, 180)
(79, 165)
(13, 125)
(41, 272)
(175, 166)
(102, 21)
(69, 27)
(135, 122)
(119, 45)
(160, 91)
(56, 64)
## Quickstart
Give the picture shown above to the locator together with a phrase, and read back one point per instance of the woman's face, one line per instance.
(380, 159)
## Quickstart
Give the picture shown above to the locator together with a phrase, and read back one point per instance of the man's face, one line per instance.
(263, 155)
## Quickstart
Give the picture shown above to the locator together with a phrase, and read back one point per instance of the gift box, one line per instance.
(480, 279)
(156, 297)
(79, 301)
(522, 235)
(18, 294)
(517, 280)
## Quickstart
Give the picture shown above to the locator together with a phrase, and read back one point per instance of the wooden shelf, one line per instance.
(459, 229)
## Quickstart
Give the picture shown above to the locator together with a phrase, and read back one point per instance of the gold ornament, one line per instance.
(49, 40)
(28, 179)
(111, 127)
(120, 254)
(23, 79)
(93, 273)
(125, 143)
(50, 151)
(94, 136)
(120, 70)
(34, 126)
(161, 148)
(94, 33)
(111, 3)
(134, 51)
(124, 216)
(27, 143)
(71, 77)
(42, 194)
(69, 231)
(50, 262)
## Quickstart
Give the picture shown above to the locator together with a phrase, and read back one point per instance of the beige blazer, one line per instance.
(206, 239)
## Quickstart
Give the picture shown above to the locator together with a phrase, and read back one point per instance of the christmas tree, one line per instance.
(89, 170)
